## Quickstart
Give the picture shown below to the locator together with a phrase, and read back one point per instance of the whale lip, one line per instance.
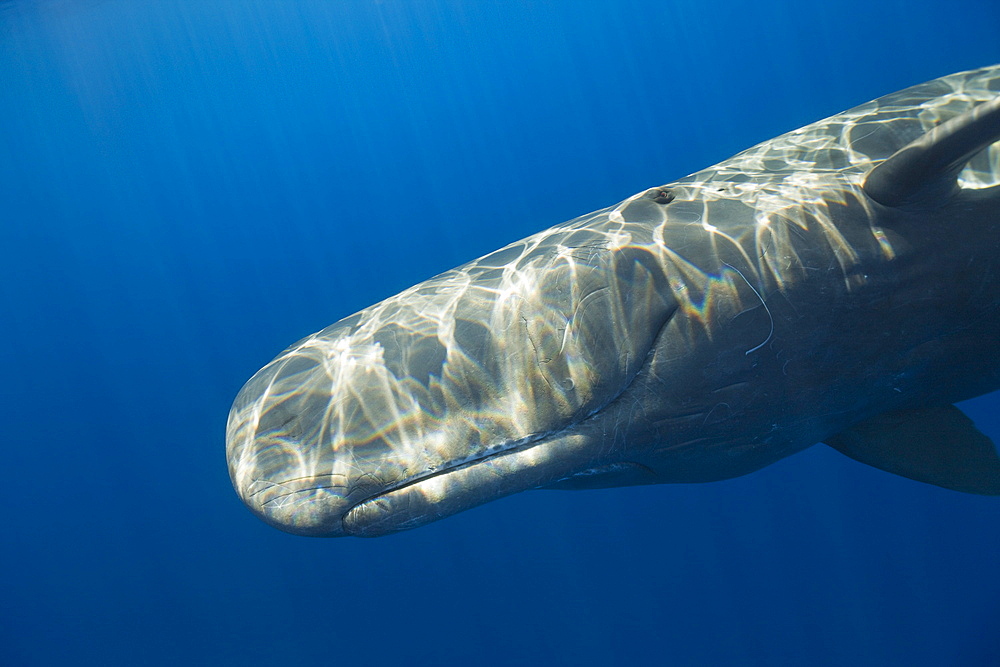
(371, 516)
(530, 463)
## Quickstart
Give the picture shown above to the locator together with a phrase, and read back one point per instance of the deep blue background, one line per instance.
(188, 187)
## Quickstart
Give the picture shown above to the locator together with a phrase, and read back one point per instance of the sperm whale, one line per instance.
(838, 284)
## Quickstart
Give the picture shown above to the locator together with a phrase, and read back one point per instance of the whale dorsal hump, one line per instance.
(937, 445)
(924, 173)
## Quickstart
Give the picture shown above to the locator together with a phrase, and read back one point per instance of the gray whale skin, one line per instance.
(838, 284)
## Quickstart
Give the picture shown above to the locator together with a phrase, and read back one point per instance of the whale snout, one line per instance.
(276, 462)
(288, 464)
(309, 506)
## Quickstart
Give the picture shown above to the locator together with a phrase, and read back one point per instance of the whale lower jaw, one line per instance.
(467, 485)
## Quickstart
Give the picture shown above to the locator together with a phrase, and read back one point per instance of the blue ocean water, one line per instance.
(188, 187)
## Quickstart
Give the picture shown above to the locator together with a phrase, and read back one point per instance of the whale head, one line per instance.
(473, 385)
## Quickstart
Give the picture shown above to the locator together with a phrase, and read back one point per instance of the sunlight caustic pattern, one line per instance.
(484, 360)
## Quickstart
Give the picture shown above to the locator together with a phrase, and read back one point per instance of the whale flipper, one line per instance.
(926, 170)
(937, 445)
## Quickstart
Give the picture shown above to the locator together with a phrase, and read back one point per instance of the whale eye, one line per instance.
(661, 196)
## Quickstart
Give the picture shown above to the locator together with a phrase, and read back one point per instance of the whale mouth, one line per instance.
(529, 463)
(445, 490)
(334, 505)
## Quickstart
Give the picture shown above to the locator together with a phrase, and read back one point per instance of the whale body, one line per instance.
(838, 284)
